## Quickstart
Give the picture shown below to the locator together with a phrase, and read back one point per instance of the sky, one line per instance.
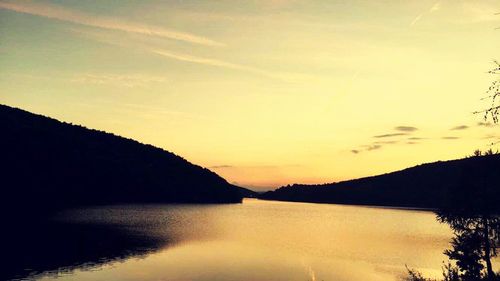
(264, 93)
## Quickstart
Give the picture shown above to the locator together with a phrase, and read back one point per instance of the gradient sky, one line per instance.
(264, 93)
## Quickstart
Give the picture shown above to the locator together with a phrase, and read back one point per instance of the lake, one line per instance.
(256, 240)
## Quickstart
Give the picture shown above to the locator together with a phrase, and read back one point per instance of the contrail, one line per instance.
(212, 62)
(434, 8)
(73, 16)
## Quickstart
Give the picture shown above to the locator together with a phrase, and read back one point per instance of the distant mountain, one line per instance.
(248, 193)
(466, 183)
(48, 165)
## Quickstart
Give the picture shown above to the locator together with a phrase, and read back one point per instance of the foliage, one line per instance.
(450, 272)
(493, 94)
(476, 229)
(475, 243)
(479, 153)
(414, 275)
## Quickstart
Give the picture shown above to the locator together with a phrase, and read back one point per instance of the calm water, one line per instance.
(256, 240)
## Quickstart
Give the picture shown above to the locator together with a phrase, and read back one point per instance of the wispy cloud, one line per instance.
(386, 142)
(288, 77)
(212, 62)
(129, 80)
(416, 19)
(450, 138)
(486, 124)
(155, 111)
(376, 145)
(104, 37)
(220, 167)
(478, 11)
(390, 135)
(433, 9)
(461, 127)
(406, 128)
(488, 137)
(373, 147)
(365, 148)
(68, 15)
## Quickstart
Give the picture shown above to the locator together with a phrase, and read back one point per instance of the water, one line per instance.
(256, 240)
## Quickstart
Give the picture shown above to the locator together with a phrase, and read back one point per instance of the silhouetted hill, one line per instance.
(48, 165)
(245, 192)
(466, 183)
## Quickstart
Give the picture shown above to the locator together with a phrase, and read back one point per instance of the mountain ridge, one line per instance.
(429, 185)
(48, 164)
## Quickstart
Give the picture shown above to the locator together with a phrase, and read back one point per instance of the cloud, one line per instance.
(487, 137)
(220, 167)
(450, 138)
(373, 147)
(390, 135)
(461, 127)
(380, 144)
(153, 112)
(478, 11)
(284, 77)
(386, 142)
(486, 124)
(434, 8)
(63, 14)
(104, 37)
(368, 147)
(128, 80)
(416, 19)
(212, 62)
(406, 129)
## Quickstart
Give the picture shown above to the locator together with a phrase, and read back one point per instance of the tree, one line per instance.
(477, 153)
(472, 213)
(493, 94)
(475, 242)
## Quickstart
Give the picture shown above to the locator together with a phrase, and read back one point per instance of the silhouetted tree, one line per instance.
(472, 214)
(493, 93)
(477, 152)
(450, 273)
(475, 243)
(490, 152)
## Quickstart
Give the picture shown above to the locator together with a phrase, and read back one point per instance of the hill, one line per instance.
(48, 165)
(468, 183)
(248, 193)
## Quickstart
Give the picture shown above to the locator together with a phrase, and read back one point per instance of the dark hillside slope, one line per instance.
(248, 193)
(463, 182)
(47, 165)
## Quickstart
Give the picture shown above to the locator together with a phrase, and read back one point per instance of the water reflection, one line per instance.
(257, 240)
(53, 247)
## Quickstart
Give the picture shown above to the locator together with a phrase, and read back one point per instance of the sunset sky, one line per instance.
(264, 93)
